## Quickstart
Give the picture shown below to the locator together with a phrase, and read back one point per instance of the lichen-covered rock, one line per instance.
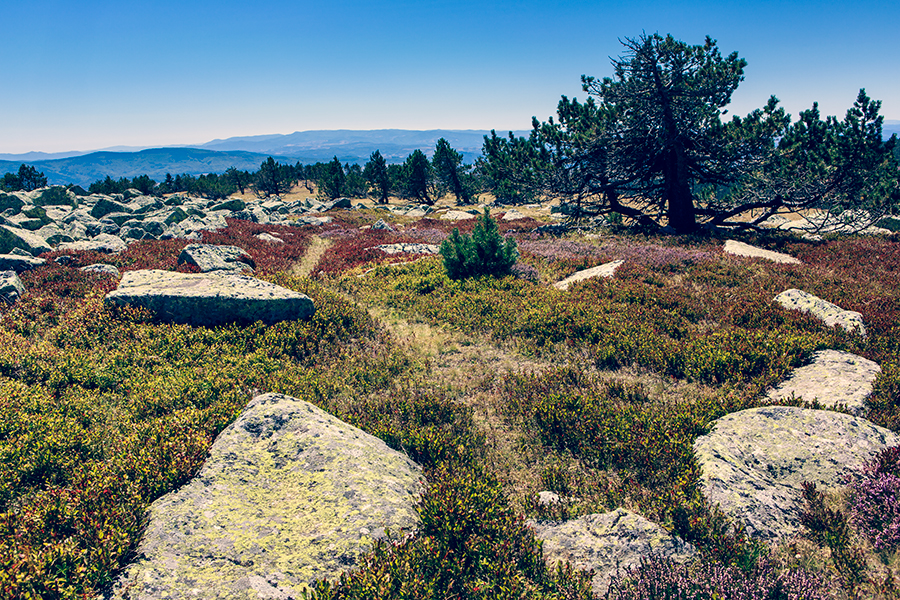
(289, 494)
(754, 461)
(104, 242)
(457, 215)
(409, 248)
(831, 314)
(604, 270)
(15, 237)
(209, 257)
(742, 249)
(834, 377)
(101, 268)
(210, 298)
(11, 288)
(17, 263)
(607, 542)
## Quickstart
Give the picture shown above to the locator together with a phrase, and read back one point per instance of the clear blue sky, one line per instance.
(88, 74)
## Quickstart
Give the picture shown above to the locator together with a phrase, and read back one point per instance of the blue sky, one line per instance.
(88, 74)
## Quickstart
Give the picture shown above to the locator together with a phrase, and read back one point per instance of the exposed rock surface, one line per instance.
(102, 268)
(104, 242)
(513, 215)
(607, 542)
(289, 494)
(833, 377)
(742, 249)
(14, 262)
(409, 248)
(267, 237)
(457, 215)
(209, 257)
(754, 461)
(15, 237)
(831, 314)
(210, 298)
(382, 225)
(604, 270)
(11, 288)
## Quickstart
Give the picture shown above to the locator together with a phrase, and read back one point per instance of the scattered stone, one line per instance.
(457, 215)
(234, 205)
(288, 495)
(604, 270)
(105, 207)
(300, 221)
(754, 461)
(513, 215)
(831, 314)
(101, 268)
(267, 237)
(19, 264)
(833, 378)
(210, 298)
(208, 258)
(11, 288)
(105, 242)
(382, 225)
(742, 249)
(409, 248)
(608, 542)
(546, 498)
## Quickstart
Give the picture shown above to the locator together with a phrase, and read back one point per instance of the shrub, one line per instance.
(485, 252)
(875, 504)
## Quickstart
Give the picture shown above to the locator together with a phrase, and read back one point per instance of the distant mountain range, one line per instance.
(245, 153)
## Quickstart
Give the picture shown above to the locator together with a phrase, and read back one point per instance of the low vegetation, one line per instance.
(106, 410)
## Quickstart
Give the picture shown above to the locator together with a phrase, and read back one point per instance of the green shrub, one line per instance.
(485, 252)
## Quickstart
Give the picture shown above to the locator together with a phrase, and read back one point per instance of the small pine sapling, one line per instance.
(485, 252)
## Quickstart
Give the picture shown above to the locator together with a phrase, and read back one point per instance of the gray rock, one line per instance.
(18, 264)
(210, 298)
(105, 207)
(604, 270)
(289, 494)
(11, 288)
(742, 249)
(54, 235)
(457, 215)
(101, 268)
(208, 257)
(10, 201)
(300, 221)
(833, 377)
(12, 237)
(268, 237)
(409, 248)
(21, 252)
(608, 542)
(754, 461)
(382, 225)
(513, 215)
(831, 314)
(104, 242)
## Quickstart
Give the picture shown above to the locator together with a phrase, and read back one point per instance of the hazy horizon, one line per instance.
(98, 74)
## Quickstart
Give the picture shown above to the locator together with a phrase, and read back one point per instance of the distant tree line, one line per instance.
(418, 178)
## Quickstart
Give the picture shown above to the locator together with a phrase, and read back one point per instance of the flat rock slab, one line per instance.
(604, 270)
(831, 314)
(289, 494)
(105, 242)
(513, 215)
(834, 377)
(457, 215)
(742, 249)
(210, 298)
(754, 461)
(210, 257)
(17, 263)
(607, 542)
(409, 248)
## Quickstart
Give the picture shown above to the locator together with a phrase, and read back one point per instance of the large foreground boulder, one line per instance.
(210, 298)
(754, 461)
(833, 378)
(608, 542)
(289, 494)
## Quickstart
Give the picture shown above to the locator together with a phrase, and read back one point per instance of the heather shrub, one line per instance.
(831, 527)
(663, 579)
(485, 252)
(875, 501)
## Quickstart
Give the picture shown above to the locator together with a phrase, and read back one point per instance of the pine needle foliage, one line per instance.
(485, 252)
